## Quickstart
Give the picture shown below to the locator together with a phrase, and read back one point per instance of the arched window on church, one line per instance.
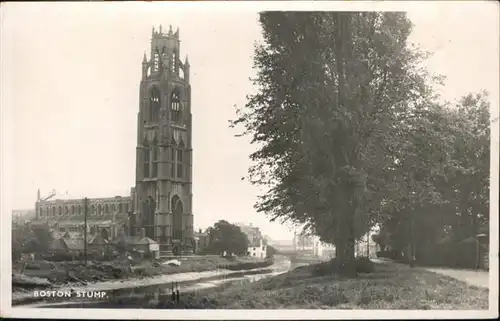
(156, 61)
(180, 159)
(146, 161)
(172, 159)
(59, 210)
(155, 160)
(175, 106)
(53, 211)
(173, 63)
(106, 209)
(154, 104)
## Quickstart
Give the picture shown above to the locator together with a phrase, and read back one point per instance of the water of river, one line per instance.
(123, 298)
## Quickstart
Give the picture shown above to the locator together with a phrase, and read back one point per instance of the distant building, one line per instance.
(284, 245)
(22, 216)
(257, 246)
(67, 216)
(202, 240)
(312, 245)
(323, 250)
(65, 245)
(140, 243)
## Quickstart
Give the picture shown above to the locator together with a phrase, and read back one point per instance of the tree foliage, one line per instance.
(226, 237)
(350, 134)
(270, 251)
(332, 89)
(441, 180)
(27, 239)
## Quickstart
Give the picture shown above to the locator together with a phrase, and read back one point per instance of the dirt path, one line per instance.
(472, 277)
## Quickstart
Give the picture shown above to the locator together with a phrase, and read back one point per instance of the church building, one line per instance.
(163, 193)
(161, 201)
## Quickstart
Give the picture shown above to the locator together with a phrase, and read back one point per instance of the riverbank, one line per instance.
(60, 273)
(389, 286)
(174, 274)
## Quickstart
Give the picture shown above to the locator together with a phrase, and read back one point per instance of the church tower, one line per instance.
(163, 191)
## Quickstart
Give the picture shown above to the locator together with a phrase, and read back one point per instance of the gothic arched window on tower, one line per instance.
(180, 168)
(172, 159)
(154, 104)
(146, 162)
(173, 63)
(156, 61)
(175, 106)
(155, 160)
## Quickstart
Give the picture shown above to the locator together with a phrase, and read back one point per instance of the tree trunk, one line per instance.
(345, 242)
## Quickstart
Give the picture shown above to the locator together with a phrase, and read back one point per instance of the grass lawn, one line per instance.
(198, 264)
(390, 286)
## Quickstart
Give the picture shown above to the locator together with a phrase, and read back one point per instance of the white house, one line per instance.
(257, 246)
(258, 250)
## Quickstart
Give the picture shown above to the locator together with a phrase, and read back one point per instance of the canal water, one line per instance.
(135, 297)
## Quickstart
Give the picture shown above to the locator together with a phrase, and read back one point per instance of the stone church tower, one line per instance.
(163, 192)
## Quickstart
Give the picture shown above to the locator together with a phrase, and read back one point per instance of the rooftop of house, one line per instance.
(73, 235)
(134, 240)
(74, 244)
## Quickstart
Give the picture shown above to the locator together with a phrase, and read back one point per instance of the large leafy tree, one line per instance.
(440, 184)
(333, 88)
(226, 237)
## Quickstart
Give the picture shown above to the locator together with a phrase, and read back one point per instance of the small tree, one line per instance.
(226, 237)
(270, 251)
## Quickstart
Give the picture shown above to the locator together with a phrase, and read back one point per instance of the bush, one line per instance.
(334, 266)
(364, 265)
(450, 254)
(249, 265)
(393, 255)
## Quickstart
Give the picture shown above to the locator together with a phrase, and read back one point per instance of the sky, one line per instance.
(70, 93)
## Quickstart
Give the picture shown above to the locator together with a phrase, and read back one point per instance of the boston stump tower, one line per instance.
(163, 192)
